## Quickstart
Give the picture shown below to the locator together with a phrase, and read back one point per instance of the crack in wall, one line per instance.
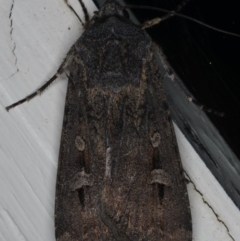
(11, 35)
(204, 201)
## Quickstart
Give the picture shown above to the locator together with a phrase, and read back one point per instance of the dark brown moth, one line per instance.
(120, 176)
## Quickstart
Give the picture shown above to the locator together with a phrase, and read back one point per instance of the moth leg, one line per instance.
(60, 70)
(86, 14)
(155, 21)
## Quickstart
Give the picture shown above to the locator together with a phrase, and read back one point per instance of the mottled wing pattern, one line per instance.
(120, 175)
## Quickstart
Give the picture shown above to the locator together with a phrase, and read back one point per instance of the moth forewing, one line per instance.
(120, 175)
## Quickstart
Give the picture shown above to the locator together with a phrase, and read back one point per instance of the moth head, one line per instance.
(112, 8)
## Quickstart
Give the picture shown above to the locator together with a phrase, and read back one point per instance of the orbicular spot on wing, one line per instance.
(155, 139)
(83, 158)
(79, 143)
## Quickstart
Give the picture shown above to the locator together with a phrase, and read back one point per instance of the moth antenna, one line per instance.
(60, 70)
(86, 14)
(71, 8)
(177, 9)
(156, 21)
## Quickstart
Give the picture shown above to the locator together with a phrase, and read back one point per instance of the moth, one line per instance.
(120, 175)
